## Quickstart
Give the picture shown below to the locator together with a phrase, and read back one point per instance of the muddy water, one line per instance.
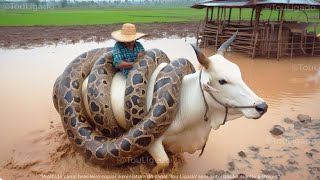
(289, 86)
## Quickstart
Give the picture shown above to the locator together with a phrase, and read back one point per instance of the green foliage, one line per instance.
(64, 3)
(36, 2)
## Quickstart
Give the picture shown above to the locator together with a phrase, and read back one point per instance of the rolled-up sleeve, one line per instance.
(117, 56)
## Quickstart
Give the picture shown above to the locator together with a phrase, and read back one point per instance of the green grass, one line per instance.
(96, 16)
(131, 14)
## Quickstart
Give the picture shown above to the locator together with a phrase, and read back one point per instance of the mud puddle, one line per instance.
(33, 143)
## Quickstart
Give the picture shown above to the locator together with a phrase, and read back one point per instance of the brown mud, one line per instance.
(48, 154)
(34, 146)
(26, 36)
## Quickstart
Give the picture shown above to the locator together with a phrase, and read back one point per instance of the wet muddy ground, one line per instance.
(26, 36)
(33, 144)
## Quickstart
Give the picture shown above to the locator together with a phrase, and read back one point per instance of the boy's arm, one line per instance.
(118, 61)
(140, 49)
(125, 65)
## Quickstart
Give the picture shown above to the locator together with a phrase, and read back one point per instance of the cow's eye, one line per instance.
(222, 81)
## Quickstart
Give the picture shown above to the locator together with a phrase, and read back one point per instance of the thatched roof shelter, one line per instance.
(262, 33)
(294, 4)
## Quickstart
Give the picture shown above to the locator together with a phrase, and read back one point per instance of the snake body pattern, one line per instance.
(96, 133)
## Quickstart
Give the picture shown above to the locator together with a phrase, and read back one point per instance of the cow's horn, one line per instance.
(223, 48)
(201, 57)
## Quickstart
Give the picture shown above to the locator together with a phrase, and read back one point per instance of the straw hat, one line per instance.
(128, 33)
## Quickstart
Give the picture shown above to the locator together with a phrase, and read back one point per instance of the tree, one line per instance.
(64, 3)
(36, 2)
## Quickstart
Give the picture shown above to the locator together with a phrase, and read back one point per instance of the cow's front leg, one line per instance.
(159, 155)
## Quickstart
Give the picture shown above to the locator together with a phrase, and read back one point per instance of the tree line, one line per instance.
(95, 4)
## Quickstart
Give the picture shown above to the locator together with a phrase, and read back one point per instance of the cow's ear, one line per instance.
(206, 87)
(205, 82)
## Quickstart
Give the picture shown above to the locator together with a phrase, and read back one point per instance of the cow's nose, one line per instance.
(262, 108)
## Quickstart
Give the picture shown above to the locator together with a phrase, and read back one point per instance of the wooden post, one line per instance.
(256, 31)
(221, 15)
(252, 15)
(218, 14)
(240, 15)
(257, 18)
(270, 16)
(211, 13)
(314, 39)
(280, 34)
(230, 10)
(206, 18)
(255, 44)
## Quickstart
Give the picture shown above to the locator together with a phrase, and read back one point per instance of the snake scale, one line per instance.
(96, 133)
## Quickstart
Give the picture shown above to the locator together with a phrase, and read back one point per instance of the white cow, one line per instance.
(189, 131)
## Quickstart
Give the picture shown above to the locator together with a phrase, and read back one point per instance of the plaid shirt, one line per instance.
(122, 53)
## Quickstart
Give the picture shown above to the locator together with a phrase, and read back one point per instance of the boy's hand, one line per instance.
(140, 54)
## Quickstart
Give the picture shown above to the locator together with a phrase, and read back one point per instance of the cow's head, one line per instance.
(223, 80)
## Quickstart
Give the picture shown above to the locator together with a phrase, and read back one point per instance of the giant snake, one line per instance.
(93, 129)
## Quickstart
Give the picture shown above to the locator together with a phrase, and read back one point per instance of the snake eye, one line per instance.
(222, 82)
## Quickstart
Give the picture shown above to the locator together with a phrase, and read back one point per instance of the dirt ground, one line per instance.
(26, 36)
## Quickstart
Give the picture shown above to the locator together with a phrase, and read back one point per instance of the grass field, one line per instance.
(96, 16)
(134, 15)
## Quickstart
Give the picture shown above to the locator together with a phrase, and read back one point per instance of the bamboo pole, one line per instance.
(256, 31)
(206, 17)
(225, 14)
(257, 18)
(252, 15)
(240, 15)
(211, 13)
(198, 33)
(280, 34)
(218, 14)
(230, 10)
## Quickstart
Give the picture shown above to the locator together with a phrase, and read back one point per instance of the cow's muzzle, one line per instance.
(262, 108)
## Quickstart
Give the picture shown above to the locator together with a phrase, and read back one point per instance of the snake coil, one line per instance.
(96, 134)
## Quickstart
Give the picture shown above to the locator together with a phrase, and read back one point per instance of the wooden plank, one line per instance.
(245, 47)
